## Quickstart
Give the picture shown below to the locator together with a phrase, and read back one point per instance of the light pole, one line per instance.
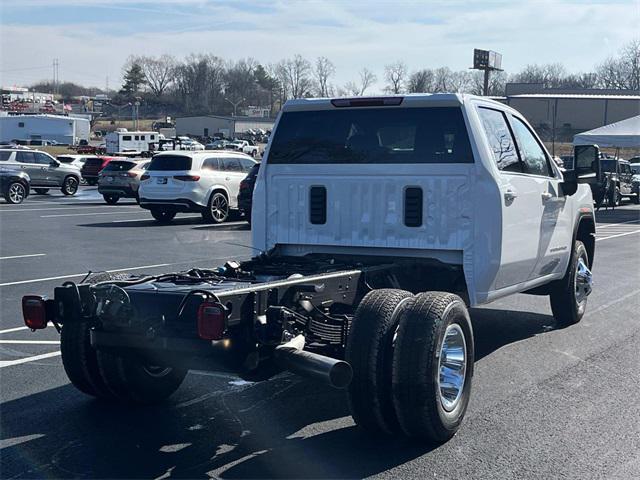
(235, 105)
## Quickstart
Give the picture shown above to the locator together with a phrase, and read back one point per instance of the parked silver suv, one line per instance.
(45, 171)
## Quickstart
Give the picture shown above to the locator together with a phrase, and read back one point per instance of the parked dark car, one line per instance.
(616, 183)
(14, 185)
(92, 168)
(245, 195)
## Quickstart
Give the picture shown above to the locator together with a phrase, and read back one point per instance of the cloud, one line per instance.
(92, 38)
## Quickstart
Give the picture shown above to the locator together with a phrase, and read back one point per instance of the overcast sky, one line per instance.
(92, 38)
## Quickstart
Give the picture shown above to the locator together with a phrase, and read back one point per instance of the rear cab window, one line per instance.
(118, 166)
(165, 163)
(373, 136)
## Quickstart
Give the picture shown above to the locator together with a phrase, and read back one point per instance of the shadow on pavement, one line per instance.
(286, 427)
(145, 223)
(626, 213)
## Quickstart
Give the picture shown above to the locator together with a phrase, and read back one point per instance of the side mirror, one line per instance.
(586, 168)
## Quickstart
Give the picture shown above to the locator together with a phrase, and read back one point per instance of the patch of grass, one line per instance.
(56, 150)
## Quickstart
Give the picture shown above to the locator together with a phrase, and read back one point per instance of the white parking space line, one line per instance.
(66, 208)
(35, 358)
(618, 235)
(23, 256)
(16, 329)
(599, 226)
(61, 277)
(89, 214)
(32, 342)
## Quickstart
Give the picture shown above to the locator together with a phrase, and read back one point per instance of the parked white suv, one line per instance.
(205, 182)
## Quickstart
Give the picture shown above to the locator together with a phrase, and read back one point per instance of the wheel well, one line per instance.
(219, 190)
(586, 234)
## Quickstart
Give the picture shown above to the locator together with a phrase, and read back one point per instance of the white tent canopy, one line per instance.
(622, 134)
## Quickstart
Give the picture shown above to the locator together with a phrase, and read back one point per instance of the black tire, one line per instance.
(111, 199)
(217, 209)
(41, 191)
(636, 198)
(78, 357)
(565, 306)
(70, 185)
(16, 193)
(617, 197)
(130, 381)
(162, 215)
(370, 353)
(417, 394)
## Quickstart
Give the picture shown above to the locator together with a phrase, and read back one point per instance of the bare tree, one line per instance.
(623, 70)
(295, 75)
(322, 71)
(159, 72)
(550, 75)
(395, 74)
(367, 78)
(421, 81)
(497, 83)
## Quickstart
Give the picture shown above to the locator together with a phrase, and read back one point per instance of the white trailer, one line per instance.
(136, 141)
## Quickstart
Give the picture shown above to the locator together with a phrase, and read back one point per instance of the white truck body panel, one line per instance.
(503, 247)
(116, 142)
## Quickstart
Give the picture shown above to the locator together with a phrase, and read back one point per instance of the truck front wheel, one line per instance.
(132, 381)
(433, 366)
(370, 353)
(569, 296)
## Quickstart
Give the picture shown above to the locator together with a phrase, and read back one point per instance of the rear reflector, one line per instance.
(211, 321)
(367, 102)
(34, 312)
(187, 178)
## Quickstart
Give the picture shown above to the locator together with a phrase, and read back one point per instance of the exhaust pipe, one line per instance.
(290, 356)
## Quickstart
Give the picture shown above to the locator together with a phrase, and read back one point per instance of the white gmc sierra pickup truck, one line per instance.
(379, 221)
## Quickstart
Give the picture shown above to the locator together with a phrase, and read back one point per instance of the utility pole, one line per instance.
(235, 105)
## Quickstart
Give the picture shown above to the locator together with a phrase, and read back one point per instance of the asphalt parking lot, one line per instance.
(546, 403)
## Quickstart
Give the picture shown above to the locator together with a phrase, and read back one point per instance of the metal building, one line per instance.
(208, 125)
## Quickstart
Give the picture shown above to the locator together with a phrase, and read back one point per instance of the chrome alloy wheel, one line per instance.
(219, 208)
(583, 281)
(452, 367)
(17, 193)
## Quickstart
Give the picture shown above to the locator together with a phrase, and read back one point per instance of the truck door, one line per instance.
(521, 204)
(555, 223)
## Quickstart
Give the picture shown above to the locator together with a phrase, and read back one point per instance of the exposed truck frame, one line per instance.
(390, 322)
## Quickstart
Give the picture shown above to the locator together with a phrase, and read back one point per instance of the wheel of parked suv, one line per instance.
(433, 366)
(111, 199)
(41, 191)
(70, 186)
(569, 295)
(162, 215)
(218, 208)
(16, 193)
(617, 198)
(78, 356)
(636, 198)
(370, 353)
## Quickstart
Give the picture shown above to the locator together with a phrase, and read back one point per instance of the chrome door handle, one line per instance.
(510, 195)
(546, 196)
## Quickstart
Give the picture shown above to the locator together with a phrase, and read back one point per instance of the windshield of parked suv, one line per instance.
(170, 162)
(608, 166)
(93, 162)
(118, 166)
(372, 135)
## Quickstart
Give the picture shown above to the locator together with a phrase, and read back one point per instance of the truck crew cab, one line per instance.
(379, 221)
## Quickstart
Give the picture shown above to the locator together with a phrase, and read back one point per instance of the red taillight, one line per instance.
(187, 178)
(244, 185)
(34, 312)
(144, 177)
(211, 321)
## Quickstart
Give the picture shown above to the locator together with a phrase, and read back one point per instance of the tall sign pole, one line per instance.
(488, 61)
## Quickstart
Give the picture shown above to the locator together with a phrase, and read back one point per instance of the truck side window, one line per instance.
(533, 156)
(500, 139)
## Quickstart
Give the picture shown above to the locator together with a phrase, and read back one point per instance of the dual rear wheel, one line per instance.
(413, 359)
